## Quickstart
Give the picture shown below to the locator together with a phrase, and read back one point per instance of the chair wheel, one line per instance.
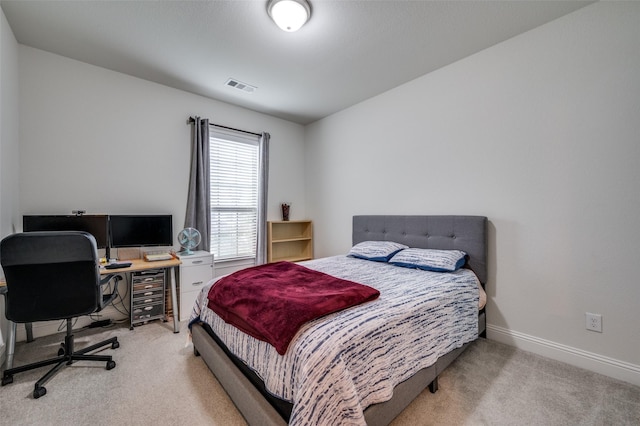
(111, 365)
(115, 345)
(39, 391)
(7, 380)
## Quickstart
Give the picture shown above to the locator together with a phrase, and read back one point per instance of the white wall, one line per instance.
(106, 142)
(8, 144)
(8, 127)
(540, 134)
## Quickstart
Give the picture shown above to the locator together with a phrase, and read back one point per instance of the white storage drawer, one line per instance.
(196, 271)
(198, 258)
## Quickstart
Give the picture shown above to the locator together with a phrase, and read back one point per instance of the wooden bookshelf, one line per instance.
(289, 240)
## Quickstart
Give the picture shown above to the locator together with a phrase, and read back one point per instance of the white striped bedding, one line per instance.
(340, 364)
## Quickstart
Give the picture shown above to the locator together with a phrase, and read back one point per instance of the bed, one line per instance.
(247, 387)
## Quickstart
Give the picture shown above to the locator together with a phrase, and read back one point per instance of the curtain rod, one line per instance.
(192, 120)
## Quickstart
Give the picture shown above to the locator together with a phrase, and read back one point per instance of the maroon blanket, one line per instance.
(271, 302)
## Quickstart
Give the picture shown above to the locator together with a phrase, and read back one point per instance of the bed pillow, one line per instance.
(430, 259)
(378, 251)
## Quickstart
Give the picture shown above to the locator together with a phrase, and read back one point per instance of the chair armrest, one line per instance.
(4, 291)
(111, 277)
(106, 278)
(108, 298)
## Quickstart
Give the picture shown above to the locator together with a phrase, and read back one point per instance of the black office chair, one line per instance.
(54, 276)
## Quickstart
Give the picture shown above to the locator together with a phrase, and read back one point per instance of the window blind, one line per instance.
(234, 175)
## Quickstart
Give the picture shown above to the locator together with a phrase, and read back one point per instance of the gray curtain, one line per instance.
(198, 208)
(261, 248)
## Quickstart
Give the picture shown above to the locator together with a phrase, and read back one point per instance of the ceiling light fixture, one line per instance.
(289, 15)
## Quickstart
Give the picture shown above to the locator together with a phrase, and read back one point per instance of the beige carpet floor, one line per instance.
(158, 381)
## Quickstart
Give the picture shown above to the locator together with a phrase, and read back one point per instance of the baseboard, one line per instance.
(611, 367)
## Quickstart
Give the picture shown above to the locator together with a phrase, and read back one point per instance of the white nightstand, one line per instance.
(196, 271)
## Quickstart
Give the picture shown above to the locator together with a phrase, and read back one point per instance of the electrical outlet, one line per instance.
(594, 322)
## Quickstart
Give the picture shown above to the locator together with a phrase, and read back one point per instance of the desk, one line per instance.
(143, 265)
(136, 265)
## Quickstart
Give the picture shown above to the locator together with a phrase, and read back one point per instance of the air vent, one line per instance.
(232, 82)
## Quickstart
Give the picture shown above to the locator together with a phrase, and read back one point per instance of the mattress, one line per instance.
(340, 364)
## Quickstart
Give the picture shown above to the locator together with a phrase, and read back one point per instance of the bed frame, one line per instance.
(467, 233)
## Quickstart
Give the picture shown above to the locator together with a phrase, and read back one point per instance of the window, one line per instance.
(234, 193)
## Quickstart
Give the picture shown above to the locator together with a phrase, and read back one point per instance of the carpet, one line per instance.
(158, 381)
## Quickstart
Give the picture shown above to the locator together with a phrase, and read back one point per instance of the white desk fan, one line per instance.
(189, 238)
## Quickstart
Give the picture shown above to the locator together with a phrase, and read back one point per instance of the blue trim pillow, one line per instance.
(430, 260)
(378, 251)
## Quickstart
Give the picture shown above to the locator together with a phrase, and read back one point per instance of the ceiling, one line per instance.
(348, 51)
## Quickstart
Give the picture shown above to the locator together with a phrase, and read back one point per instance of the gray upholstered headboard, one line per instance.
(466, 233)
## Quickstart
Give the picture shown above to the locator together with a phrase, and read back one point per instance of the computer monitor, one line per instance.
(96, 225)
(141, 230)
